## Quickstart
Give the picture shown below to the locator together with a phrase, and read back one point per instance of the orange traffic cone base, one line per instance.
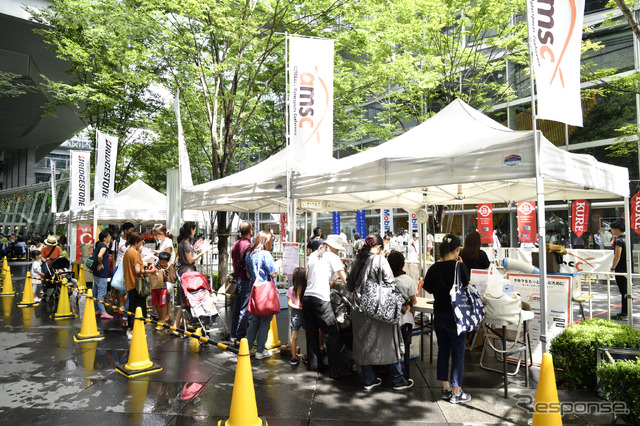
(64, 316)
(24, 305)
(122, 369)
(82, 339)
(260, 422)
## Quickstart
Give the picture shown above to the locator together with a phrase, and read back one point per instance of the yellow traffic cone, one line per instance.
(7, 285)
(138, 362)
(89, 329)
(273, 341)
(64, 307)
(7, 304)
(27, 316)
(89, 357)
(75, 269)
(546, 395)
(5, 265)
(244, 410)
(82, 282)
(27, 293)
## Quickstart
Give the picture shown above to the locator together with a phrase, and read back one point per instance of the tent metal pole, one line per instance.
(540, 208)
(627, 243)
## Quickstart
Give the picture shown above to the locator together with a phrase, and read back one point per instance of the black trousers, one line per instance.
(622, 286)
(318, 315)
(136, 300)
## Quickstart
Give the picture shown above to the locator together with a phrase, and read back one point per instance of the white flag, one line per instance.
(80, 183)
(54, 202)
(555, 35)
(311, 98)
(105, 168)
(183, 154)
(386, 221)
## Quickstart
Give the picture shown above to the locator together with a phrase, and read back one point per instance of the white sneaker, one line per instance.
(264, 354)
(129, 335)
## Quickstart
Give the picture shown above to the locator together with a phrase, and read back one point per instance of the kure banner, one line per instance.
(635, 212)
(580, 217)
(527, 224)
(485, 223)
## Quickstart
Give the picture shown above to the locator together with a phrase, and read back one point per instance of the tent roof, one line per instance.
(458, 156)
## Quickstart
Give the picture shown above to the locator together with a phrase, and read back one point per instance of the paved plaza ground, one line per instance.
(47, 378)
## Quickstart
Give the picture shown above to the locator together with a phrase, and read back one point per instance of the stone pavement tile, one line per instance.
(39, 392)
(335, 401)
(62, 417)
(18, 416)
(487, 406)
(290, 401)
(180, 420)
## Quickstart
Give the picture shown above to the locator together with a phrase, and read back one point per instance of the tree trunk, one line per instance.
(630, 18)
(222, 230)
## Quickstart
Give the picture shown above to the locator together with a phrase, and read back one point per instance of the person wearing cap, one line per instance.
(316, 306)
(413, 249)
(52, 250)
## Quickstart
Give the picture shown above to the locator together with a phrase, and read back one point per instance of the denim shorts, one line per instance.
(297, 319)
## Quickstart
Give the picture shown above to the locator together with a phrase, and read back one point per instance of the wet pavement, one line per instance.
(47, 378)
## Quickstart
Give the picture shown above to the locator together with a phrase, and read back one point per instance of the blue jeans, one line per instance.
(240, 315)
(259, 327)
(450, 345)
(395, 371)
(100, 289)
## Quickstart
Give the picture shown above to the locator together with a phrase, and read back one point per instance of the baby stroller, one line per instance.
(342, 305)
(199, 309)
(54, 273)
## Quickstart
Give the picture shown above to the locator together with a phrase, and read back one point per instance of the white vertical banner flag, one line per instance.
(555, 35)
(183, 154)
(311, 98)
(386, 221)
(54, 201)
(80, 183)
(105, 168)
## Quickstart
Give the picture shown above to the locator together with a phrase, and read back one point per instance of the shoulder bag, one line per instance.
(264, 300)
(506, 307)
(117, 281)
(468, 310)
(381, 301)
(143, 285)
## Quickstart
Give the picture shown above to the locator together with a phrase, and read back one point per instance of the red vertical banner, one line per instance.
(485, 223)
(580, 217)
(283, 227)
(84, 235)
(635, 212)
(527, 224)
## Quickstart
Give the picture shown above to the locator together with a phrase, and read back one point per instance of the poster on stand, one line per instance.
(485, 223)
(527, 226)
(290, 258)
(558, 306)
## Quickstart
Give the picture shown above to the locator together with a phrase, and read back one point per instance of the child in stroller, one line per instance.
(199, 309)
(54, 273)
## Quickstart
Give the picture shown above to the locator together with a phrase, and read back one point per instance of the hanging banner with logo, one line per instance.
(580, 217)
(361, 223)
(527, 227)
(283, 227)
(485, 223)
(386, 221)
(634, 212)
(84, 235)
(183, 154)
(105, 168)
(555, 36)
(80, 185)
(311, 97)
(54, 201)
(336, 223)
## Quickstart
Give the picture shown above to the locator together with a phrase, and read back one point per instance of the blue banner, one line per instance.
(361, 223)
(336, 223)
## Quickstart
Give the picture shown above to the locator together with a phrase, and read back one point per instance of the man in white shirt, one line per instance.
(413, 249)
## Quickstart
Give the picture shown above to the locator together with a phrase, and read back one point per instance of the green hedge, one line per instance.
(621, 382)
(573, 350)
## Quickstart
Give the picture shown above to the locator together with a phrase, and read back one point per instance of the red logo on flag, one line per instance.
(635, 213)
(580, 217)
(527, 224)
(485, 223)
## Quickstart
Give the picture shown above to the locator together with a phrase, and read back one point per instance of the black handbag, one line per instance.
(381, 301)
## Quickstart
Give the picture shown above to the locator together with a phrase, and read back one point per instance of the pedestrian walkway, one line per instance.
(47, 378)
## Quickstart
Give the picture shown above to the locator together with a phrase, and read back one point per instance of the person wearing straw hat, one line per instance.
(316, 306)
(52, 250)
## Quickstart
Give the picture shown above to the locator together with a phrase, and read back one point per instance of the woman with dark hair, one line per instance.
(472, 256)
(439, 281)
(101, 272)
(133, 268)
(260, 267)
(374, 342)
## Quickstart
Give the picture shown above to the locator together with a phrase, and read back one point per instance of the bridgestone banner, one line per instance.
(311, 97)
(485, 223)
(80, 183)
(555, 35)
(54, 201)
(580, 217)
(105, 168)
